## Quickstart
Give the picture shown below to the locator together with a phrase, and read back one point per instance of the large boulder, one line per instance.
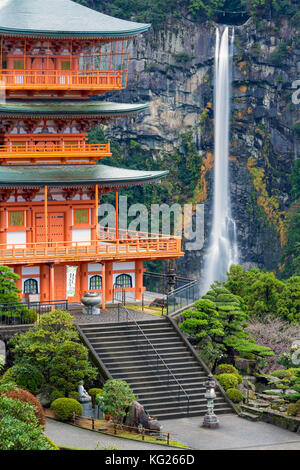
(138, 418)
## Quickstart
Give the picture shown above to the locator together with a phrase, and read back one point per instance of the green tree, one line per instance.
(263, 294)
(19, 427)
(204, 325)
(69, 366)
(39, 345)
(217, 323)
(9, 295)
(117, 397)
(8, 289)
(289, 302)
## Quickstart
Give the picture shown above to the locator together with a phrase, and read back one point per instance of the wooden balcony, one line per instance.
(28, 152)
(90, 80)
(163, 247)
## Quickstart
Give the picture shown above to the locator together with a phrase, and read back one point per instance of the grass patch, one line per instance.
(110, 431)
(156, 311)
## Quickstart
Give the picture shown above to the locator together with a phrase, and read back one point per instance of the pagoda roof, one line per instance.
(74, 175)
(62, 18)
(60, 109)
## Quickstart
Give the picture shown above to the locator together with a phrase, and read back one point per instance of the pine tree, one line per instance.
(217, 323)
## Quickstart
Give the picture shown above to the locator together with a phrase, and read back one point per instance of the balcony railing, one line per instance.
(50, 151)
(111, 234)
(63, 80)
(119, 249)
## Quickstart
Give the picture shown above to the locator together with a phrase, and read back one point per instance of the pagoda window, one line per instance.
(124, 280)
(81, 216)
(18, 64)
(16, 219)
(66, 65)
(31, 286)
(96, 282)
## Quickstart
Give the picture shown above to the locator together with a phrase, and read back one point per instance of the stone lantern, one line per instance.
(210, 419)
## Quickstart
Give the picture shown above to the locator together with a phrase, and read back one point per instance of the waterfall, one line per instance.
(222, 248)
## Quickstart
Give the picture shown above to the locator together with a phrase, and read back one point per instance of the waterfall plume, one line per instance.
(222, 248)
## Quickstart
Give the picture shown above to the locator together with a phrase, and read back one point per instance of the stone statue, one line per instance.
(84, 397)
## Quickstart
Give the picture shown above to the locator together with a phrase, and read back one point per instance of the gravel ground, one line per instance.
(234, 433)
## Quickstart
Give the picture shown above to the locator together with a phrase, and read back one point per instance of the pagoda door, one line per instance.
(56, 228)
(40, 67)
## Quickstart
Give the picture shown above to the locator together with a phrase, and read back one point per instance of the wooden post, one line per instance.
(109, 281)
(96, 209)
(25, 43)
(139, 279)
(117, 215)
(46, 214)
(103, 287)
(51, 284)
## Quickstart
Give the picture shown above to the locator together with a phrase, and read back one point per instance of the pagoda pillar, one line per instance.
(69, 225)
(45, 284)
(46, 221)
(103, 288)
(139, 279)
(117, 215)
(108, 281)
(84, 279)
(52, 286)
(3, 235)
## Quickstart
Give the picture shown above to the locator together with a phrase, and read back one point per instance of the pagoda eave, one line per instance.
(62, 19)
(66, 110)
(73, 175)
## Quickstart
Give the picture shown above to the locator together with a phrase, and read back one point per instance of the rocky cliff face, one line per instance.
(173, 71)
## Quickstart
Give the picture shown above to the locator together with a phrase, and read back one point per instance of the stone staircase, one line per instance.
(123, 352)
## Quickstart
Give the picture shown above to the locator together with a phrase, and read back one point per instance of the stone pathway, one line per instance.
(111, 315)
(234, 433)
(71, 436)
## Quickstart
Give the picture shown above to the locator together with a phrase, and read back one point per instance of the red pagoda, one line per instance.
(54, 56)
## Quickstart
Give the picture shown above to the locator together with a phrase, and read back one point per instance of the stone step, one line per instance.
(173, 415)
(163, 384)
(249, 416)
(138, 340)
(155, 362)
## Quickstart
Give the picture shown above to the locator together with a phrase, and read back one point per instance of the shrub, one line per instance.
(93, 392)
(19, 425)
(55, 394)
(281, 373)
(65, 407)
(70, 366)
(74, 395)
(117, 398)
(29, 316)
(235, 395)
(293, 409)
(182, 57)
(27, 397)
(226, 369)
(228, 380)
(26, 376)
